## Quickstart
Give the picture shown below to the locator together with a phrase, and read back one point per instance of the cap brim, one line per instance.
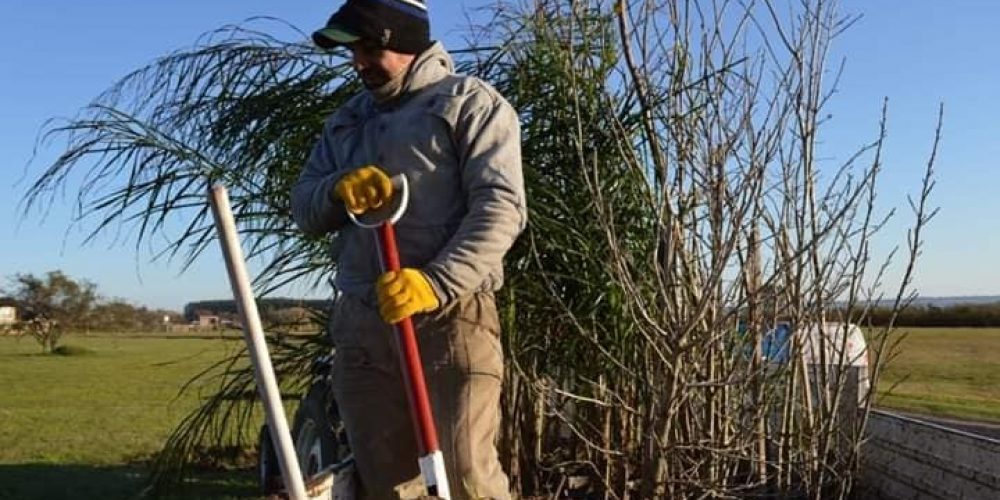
(333, 36)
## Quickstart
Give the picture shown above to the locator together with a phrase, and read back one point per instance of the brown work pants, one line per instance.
(463, 366)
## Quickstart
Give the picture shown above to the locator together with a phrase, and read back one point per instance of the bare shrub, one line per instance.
(679, 213)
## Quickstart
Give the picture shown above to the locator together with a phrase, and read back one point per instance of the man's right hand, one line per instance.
(366, 188)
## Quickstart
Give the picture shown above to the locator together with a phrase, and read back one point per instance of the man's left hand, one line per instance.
(404, 293)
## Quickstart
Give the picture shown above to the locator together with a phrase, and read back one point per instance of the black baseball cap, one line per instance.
(398, 25)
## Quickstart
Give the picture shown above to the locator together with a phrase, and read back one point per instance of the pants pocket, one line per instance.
(474, 339)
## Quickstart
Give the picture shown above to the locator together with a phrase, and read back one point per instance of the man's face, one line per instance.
(376, 66)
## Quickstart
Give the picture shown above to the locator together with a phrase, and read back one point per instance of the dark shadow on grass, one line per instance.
(54, 481)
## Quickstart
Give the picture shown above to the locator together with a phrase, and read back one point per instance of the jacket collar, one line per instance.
(429, 67)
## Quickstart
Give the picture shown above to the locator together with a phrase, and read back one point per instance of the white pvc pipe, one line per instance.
(253, 334)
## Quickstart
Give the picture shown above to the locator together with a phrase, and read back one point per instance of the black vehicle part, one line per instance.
(317, 434)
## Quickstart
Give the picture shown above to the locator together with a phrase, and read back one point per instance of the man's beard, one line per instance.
(374, 78)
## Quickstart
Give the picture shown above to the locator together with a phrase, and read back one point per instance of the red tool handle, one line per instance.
(409, 353)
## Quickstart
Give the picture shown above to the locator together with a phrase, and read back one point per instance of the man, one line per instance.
(457, 141)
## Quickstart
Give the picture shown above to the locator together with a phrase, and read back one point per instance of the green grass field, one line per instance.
(83, 426)
(953, 372)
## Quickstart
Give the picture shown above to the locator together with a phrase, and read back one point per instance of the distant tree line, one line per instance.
(275, 312)
(50, 306)
(119, 315)
(958, 315)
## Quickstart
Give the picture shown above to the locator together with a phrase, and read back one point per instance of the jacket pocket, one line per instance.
(448, 108)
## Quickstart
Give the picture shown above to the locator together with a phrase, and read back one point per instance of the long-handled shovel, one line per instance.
(431, 461)
(253, 334)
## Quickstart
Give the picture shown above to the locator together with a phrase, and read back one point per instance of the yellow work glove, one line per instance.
(364, 189)
(404, 293)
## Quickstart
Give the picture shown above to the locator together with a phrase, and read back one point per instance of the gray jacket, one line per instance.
(458, 143)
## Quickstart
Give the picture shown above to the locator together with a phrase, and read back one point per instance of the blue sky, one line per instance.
(56, 55)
